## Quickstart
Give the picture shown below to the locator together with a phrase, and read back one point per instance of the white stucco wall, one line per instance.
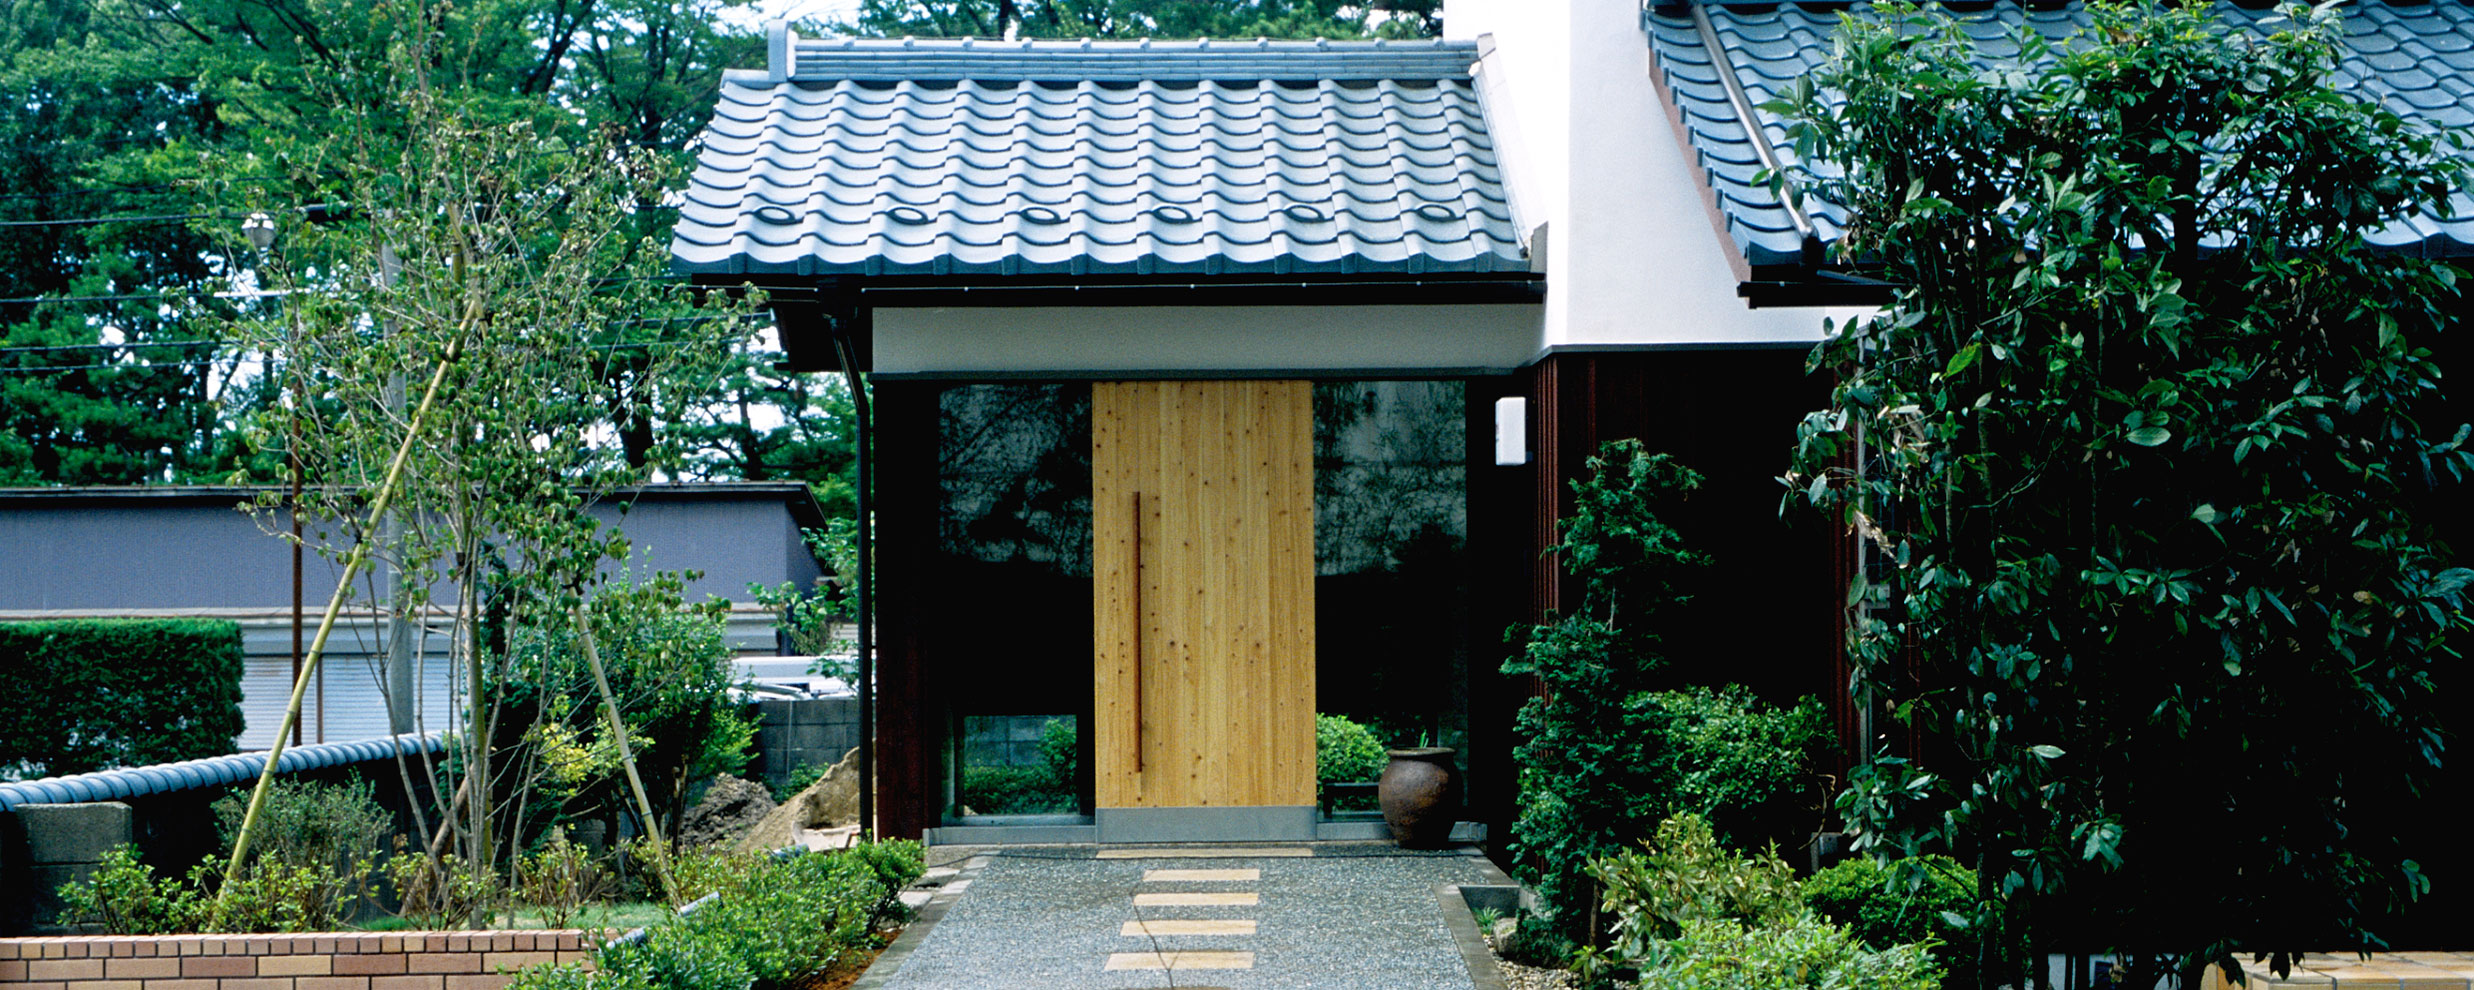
(1307, 340)
(1632, 258)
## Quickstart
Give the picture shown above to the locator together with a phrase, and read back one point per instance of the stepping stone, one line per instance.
(1209, 852)
(1193, 900)
(1182, 876)
(1189, 926)
(1181, 960)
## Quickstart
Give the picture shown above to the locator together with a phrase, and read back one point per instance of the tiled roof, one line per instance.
(2417, 59)
(963, 158)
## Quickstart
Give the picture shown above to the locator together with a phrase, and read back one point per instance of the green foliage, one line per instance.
(1346, 752)
(1744, 765)
(118, 693)
(313, 860)
(1804, 953)
(115, 113)
(1686, 875)
(1912, 900)
(775, 922)
(1591, 774)
(306, 823)
(438, 893)
(2152, 471)
(1049, 788)
(669, 668)
(800, 778)
(1011, 790)
(123, 897)
(306, 879)
(559, 879)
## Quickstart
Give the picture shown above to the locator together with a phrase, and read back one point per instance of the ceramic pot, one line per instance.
(1420, 793)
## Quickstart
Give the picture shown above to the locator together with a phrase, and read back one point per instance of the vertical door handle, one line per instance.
(1140, 628)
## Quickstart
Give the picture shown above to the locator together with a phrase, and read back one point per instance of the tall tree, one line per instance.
(2147, 458)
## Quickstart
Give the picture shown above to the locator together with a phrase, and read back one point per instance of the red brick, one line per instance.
(302, 965)
(479, 981)
(142, 969)
(407, 983)
(442, 962)
(499, 962)
(263, 983)
(12, 971)
(221, 966)
(65, 969)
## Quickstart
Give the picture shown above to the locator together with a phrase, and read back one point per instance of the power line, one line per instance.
(95, 221)
(127, 346)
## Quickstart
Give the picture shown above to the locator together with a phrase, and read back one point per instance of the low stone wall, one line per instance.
(335, 961)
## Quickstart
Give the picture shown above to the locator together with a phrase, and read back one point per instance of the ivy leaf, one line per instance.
(2046, 751)
(2150, 436)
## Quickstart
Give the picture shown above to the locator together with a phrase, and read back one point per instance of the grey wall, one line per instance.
(163, 549)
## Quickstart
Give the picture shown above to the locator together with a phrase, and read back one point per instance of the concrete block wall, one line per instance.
(794, 733)
(43, 846)
(332, 961)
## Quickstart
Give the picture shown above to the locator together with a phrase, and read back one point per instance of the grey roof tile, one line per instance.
(1004, 158)
(2416, 59)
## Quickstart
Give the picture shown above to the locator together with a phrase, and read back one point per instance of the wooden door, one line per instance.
(1202, 523)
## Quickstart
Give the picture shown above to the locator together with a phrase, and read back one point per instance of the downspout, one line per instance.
(1758, 136)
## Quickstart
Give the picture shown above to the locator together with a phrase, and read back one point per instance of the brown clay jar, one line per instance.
(1420, 793)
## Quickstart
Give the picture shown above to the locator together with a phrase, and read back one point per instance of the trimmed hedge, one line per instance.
(104, 693)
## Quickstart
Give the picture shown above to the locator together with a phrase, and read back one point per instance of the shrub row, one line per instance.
(118, 693)
(770, 924)
(1691, 914)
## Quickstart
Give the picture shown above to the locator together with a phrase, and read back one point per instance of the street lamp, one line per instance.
(259, 228)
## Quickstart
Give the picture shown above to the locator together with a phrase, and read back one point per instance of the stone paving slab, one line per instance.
(2381, 971)
(1354, 918)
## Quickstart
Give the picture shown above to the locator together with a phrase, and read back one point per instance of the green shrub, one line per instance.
(1006, 790)
(118, 693)
(314, 856)
(801, 778)
(775, 922)
(1345, 752)
(669, 667)
(898, 863)
(1903, 902)
(1741, 763)
(1799, 953)
(559, 879)
(123, 897)
(1686, 875)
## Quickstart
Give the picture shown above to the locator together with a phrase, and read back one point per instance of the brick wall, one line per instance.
(344, 961)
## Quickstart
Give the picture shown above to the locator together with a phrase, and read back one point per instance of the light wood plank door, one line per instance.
(1202, 523)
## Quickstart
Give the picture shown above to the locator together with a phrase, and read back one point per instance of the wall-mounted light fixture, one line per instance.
(1511, 430)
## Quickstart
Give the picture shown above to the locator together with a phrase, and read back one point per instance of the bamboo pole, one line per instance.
(353, 563)
(627, 756)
